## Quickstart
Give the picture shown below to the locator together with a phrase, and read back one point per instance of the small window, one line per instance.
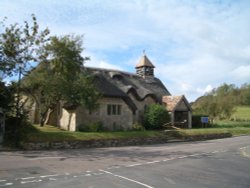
(119, 107)
(109, 109)
(114, 109)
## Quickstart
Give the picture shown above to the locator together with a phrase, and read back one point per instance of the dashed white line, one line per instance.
(3, 180)
(137, 164)
(182, 157)
(33, 181)
(152, 162)
(113, 167)
(98, 174)
(168, 159)
(122, 177)
(86, 175)
(27, 178)
(6, 184)
(41, 158)
(46, 176)
(52, 179)
(193, 155)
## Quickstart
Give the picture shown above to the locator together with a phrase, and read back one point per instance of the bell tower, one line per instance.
(145, 68)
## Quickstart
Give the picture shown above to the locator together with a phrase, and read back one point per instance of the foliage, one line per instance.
(20, 45)
(218, 104)
(61, 78)
(93, 127)
(155, 117)
(138, 127)
(6, 96)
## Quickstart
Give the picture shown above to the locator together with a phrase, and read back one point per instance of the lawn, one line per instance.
(242, 113)
(52, 134)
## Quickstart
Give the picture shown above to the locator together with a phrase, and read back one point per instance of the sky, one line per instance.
(195, 45)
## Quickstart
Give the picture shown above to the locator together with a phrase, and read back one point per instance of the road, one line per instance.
(213, 163)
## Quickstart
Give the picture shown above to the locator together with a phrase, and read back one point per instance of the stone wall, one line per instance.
(116, 142)
(122, 121)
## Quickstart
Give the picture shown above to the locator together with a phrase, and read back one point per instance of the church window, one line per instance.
(114, 109)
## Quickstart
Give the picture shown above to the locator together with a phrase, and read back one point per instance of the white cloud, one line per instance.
(207, 89)
(193, 44)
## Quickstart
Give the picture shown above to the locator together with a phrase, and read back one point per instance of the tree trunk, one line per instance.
(70, 117)
(48, 116)
(43, 117)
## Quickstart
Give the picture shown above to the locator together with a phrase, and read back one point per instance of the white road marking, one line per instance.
(182, 157)
(169, 159)
(53, 175)
(113, 167)
(52, 179)
(137, 164)
(98, 174)
(122, 177)
(41, 158)
(152, 162)
(2, 180)
(86, 175)
(6, 184)
(33, 181)
(169, 180)
(27, 178)
(215, 151)
(193, 155)
(88, 171)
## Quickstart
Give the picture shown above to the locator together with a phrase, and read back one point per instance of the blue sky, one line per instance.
(195, 45)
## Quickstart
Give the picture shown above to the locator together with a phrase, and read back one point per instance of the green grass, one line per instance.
(52, 134)
(242, 113)
(235, 131)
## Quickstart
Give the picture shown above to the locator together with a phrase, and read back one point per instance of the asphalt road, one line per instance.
(214, 163)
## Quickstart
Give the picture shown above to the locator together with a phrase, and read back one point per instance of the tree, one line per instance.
(219, 103)
(19, 47)
(155, 117)
(61, 79)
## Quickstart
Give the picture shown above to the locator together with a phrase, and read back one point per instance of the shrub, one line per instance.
(93, 127)
(138, 127)
(155, 117)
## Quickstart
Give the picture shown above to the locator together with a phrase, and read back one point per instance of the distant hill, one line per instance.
(220, 103)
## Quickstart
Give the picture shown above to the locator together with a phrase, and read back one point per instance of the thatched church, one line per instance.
(125, 96)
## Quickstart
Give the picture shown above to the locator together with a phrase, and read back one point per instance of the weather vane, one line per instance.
(144, 52)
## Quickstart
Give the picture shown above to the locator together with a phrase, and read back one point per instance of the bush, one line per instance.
(138, 127)
(155, 117)
(93, 127)
(16, 130)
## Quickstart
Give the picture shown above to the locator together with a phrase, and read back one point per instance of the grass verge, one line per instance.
(53, 134)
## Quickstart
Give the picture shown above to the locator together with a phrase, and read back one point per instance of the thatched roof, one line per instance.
(114, 83)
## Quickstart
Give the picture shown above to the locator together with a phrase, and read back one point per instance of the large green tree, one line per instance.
(218, 104)
(20, 46)
(60, 79)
